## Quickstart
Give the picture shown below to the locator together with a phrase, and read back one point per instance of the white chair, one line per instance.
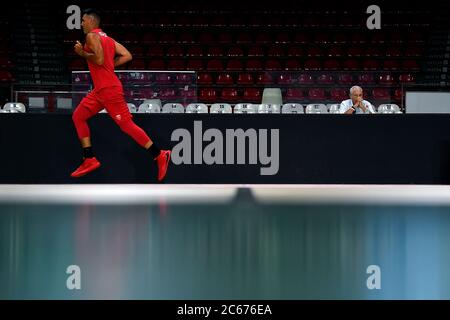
(197, 108)
(272, 96)
(245, 108)
(153, 101)
(269, 108)
(293, 108)
(334, 108)
(14, 107)
(132, 107)
(316, 108)
(173, 108)
(149, 108)
(221, 108)
(389, 108)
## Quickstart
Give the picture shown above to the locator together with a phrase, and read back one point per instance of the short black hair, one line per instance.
(93, 13)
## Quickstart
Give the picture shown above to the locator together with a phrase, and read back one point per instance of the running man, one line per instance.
(102, 54)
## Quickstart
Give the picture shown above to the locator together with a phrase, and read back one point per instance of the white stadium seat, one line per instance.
(245, 108)
(221, 108)
(389, 108)
(173, 108)
(197, 108)
(292, 108)
(269, 108)
(149, 108)
(334, 108)
(316, 108)
(14, 107)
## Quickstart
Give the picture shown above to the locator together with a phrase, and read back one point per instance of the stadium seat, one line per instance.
(132, 107)
(197, 108)
(284, 79)
(194, 65)
(229, 95)
(293, 108)
(255, 51)
(381, 94)
(346, 79)
(366, 78)
(245, 108)
(272, 65)
(334, 108)
(292, 65)
(264, 78)
(317, 94)
(305, 79)
(253, 65)
(410, 65)
(391, 65)
(175, 51)
(351, 64)
(214, 65)
(235, 52)
(294, 95)
(155, 51)
(14, 107)
(272, 96)
(252, 95)
(389, 108)
(234, 65)
(184, 78)
(325, 79)
(208, 95)
(149, 108)
(156, 64)
(335, 52)
(173, 108)
(406, 78)
(194, 51)
(204, 78)
(244, 79)
(224, 79)
(163, 78)
(176, 64)
(275, 51)
(269, 108)
(221, 108)
(338, 94)
(316, 108)
(386, 79)
(215, 51)
(295, 51)
(312, 64)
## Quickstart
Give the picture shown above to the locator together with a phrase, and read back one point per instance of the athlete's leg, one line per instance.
(117, 108)
(87, 108)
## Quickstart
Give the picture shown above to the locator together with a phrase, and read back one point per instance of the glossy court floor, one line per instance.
(224, 241)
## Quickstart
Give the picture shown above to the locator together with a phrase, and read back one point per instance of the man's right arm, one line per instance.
(122, 55)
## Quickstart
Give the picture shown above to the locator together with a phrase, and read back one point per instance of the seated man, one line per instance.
(356, 104)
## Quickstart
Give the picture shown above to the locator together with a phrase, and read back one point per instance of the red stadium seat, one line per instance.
(207, 95)
(393, 51)
(215, 51)
(336, 52)
(391, 65)
(204, 78)
(355, 52)
(78, 65)
(168, 94)
(381, 94)
(264, 78)
(206, 38)
(413, 52)
(305, 79)
(398, 95)
(5, 76)
(235, 52)
(175, 51)
(295, 52)
(176, 64)
(234, 65)
(225, 79)
(194, 65)
(312, 64)
(186, 38)
(168, 38)
(156, 64)
(351, 64)
(317, 94)
(292, 65)
(263, 38)
(229, 95)
(183, 78)
(255, 51)
(163, 78)
(252, 95)
(339, 94)
(322, 38)
(407, 78)
(386, 79)
(194, 51)
(301, 38)
(156, 51)
(244, 79)
(214, 65)
(294, 95)
(225, 38)
(314, 52)
(137, 51)
(253, 65)
(373, 52)
(410, 65)
(275, 51)
(331, 64)
(370, 64)
(284, 79)
(272, 65)
(346, 79)
(243, 38)
(282, 37)
(366, 78)
(325, 79)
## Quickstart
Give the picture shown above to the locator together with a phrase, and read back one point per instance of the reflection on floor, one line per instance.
(224, 242)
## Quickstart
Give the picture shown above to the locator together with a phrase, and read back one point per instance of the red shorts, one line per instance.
(110, 98)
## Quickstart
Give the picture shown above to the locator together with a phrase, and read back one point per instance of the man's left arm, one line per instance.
(94, 43)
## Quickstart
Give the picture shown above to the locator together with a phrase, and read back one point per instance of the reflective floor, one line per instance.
(235, 242)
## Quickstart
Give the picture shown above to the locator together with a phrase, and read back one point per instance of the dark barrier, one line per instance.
(325, 149)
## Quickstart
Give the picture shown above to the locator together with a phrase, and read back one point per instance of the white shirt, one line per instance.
(347, 104)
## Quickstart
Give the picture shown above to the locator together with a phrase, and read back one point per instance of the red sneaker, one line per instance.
(163, 162)
(88, 165)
